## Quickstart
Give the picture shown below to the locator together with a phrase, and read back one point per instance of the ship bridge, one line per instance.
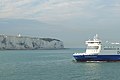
(93, 46)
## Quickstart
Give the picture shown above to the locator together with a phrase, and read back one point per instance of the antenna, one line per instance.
(96, 37)
(19, 35)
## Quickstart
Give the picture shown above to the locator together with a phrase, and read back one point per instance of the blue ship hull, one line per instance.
(107, 58)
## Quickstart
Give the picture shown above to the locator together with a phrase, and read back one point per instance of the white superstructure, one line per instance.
(93, 47)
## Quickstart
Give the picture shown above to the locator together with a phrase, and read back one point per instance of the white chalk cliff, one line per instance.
(23, 43)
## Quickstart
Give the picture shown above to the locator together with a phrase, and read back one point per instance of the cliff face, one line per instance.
(20, 42)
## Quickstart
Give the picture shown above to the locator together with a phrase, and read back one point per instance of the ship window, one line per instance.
(91, 42)
(94, 42)
(98, 42)
(92, 47)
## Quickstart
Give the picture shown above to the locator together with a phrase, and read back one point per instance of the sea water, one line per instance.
(53, 65)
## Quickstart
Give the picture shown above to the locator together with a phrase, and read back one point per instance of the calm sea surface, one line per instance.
(53, 65)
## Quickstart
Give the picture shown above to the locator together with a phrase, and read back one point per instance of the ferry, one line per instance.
(96, 51)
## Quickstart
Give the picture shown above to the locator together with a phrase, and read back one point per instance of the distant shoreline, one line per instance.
(28, 43)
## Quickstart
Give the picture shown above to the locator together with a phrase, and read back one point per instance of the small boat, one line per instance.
(96, 51)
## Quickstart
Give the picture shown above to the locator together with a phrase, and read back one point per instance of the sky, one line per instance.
(71, 21)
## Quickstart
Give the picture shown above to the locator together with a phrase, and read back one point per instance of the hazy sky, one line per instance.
(72, 21)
